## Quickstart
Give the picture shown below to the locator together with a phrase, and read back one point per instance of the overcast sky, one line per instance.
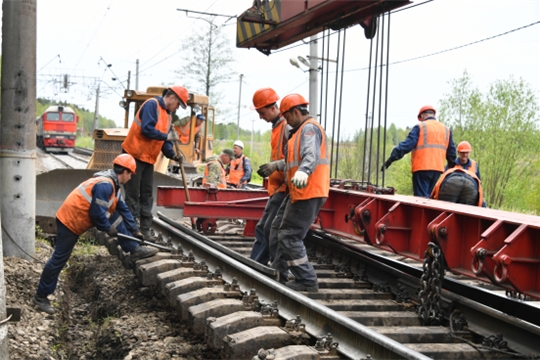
(87, 35)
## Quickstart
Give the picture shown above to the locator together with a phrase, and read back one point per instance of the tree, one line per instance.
(502, 127)
(205, 63)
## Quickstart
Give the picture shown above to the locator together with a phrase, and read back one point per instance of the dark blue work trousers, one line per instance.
(260, 251)
(289, 229)
(65, 242)
(424, 182)
(139, 193)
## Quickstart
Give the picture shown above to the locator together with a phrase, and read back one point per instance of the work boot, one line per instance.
(147, 233)
(142, 252)
(43, 304)
(295, 285)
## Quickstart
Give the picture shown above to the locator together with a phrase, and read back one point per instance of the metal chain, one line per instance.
(431, 282)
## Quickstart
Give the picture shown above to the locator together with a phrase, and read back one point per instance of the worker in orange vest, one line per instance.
(265, 103)
(463, 161)
(307, 175)
(151, 133)
(239, 169)
(431, 143)
(460, 186)
(183, 128)
(96, 202)
(214, 172)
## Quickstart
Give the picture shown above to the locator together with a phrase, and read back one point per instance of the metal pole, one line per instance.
(238, 119)
(313, 76)
(96, 112)
(18, 129)
(136, 75)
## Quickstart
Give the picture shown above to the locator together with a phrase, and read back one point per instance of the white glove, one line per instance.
(171, 136)
(299, 179)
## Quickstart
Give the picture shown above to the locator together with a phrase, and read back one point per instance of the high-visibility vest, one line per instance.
(276, 180)
(74, 212)
(318, 184)
(222, 178)
(471, 168)
(141, 147)
(183, 132)
(430, 150)
(436, 189)
(236, 170)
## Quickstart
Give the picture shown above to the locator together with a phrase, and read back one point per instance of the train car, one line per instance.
(56, 129)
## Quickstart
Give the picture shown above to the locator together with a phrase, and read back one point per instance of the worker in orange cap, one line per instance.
(151, 133)
(96, 202)
(431, 143)
(265, 103)
(307, 175)
(464, 162)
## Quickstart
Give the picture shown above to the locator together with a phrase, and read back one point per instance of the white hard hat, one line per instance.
(239, 143)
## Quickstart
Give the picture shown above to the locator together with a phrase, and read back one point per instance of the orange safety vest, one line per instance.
(430, 150)
(74, 212)
(276, 180)
(183, 132)
(223, 177)
(318, 184)
(435, 192)
(236, 170)
(141, 147)
(471, 168)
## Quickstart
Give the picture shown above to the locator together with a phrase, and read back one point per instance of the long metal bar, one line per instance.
(355, 340)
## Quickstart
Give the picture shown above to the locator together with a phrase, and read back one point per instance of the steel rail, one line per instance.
(57, 158)
(355, 340)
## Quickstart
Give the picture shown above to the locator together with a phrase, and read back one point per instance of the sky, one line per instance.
(82, 37)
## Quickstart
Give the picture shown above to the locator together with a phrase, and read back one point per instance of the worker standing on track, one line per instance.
(239, 170)
(461, 184)
(214, 172)
(307, 175)
(265, 102)
(97, 202)
(183, 127)
(430, 142)
(150, 134)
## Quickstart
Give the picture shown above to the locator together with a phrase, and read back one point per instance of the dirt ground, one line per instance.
(102, 313)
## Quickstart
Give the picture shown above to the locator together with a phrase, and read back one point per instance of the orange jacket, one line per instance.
(222, 178)
(436, 189)
(236, 170)
(74, 212)
(318, 184)
(141, 147)
(471, 168)
(276, 181)
(430, 150)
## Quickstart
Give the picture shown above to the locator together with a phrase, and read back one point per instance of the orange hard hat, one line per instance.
(264, 97)
(182, 94)
(126, 161)
(291, 101)
(464, 146)
(426, 108)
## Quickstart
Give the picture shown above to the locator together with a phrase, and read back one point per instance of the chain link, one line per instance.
(430, 293)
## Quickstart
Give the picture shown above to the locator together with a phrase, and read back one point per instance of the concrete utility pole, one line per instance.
(238, 119)
(17, 140)
(313, 77)
(96, 112)
(18, 129)
(136, 75)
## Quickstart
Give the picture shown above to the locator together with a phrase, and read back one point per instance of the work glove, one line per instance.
(386, 165)
(112, 232)
(171, 136)
(299, 179)
(138, 235)
(179, 158)
(267, 169)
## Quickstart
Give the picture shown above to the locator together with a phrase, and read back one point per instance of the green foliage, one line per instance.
(502, 127)
(84, 142)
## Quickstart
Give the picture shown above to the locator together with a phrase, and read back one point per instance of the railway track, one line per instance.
(366, 306)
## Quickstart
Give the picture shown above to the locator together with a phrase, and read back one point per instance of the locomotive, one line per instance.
(56, 129)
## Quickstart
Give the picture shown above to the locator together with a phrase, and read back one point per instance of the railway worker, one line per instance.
(97, 202)
(214, 172)
(149, 134)
(239, 169)
(183, 127)
(265, 103)
(460, 186)
(307, 175)
(463, 161)
(430, 142)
